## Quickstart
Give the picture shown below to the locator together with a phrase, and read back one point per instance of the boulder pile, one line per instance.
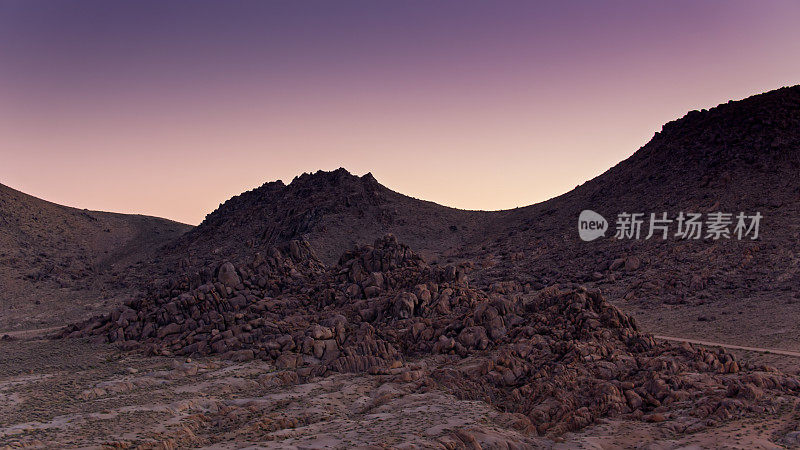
(559, 358)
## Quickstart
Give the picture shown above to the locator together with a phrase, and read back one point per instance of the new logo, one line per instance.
(591, 225)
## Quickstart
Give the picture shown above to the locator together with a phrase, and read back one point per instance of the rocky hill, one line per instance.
(743, 156)
(56, 254)
(333, 211)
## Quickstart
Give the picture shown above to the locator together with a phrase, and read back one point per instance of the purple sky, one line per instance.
(169, 108)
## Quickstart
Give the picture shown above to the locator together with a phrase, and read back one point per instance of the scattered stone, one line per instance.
(227, 275)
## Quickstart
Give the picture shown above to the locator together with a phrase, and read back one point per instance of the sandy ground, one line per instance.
(767, 320)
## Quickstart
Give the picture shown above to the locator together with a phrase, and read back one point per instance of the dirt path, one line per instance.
(29, 334)
(729, 346)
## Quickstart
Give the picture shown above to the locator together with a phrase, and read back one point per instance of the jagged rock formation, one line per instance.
(560, 357)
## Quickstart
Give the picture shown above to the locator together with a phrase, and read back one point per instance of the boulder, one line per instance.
(227, 275)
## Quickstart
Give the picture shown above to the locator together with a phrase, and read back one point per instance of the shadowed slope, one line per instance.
(53, 253)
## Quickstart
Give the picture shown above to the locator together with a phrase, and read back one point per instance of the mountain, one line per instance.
(56, 254)
(334, 211)
(742, 156)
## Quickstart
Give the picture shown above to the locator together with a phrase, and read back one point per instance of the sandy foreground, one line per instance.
(78, 394)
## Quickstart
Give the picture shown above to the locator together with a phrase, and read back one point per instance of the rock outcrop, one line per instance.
(561, 356)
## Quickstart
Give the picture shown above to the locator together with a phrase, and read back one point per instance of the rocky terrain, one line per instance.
(540, 338)
(70, 393)
(561, 359)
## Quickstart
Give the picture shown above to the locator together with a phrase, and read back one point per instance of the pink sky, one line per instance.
(169, 110)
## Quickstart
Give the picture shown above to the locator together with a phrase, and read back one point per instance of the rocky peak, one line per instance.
(763, 121)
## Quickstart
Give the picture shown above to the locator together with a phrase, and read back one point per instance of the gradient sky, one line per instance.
(169, 108)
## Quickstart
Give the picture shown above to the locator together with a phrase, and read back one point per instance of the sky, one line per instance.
(170, 108)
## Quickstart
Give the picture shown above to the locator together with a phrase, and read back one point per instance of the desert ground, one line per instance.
(79, 394)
